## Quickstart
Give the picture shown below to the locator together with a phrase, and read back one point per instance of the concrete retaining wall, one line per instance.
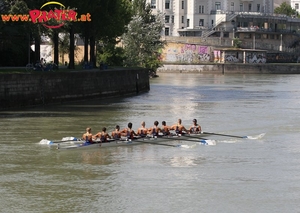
(18, 90)
(234, 68)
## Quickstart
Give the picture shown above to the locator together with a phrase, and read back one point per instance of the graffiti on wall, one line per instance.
(231, 57)
(218, 56)
(189, 53)
(255, 58)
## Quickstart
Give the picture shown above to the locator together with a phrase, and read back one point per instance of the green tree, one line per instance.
(14, 36)
(286, 9)
(110, 54)
(142, 42)
(108, 21)
(237, 43)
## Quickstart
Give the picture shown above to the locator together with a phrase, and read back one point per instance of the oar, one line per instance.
(233, 136)
(190, 136)
(201, 140)
(156, 143)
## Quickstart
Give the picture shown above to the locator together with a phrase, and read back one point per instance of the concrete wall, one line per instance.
(18, 90)
(271, 45)
(233, 68)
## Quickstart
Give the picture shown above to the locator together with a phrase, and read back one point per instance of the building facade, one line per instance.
(195, 17)
(249, 20)
(295, 4)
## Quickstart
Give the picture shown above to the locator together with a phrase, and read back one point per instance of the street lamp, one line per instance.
(233, 37)
(280, 47)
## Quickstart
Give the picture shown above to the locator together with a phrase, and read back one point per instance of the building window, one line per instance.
(201, 9)
(187, 22)
(258, 7)
(182, 5)
(232, 6)
(167, 4)
(218, 5)
(172, 19)
(182, 19)
(297, 6)
(153, 4)
(167, 31)
(250, 8)
(241, 7)
(247, 35)
(167, 19)
(201, 22)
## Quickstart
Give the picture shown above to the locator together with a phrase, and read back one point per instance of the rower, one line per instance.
(165, 129)
(128, 132)
(179, 128)
(142, 131)
(88, 136)
(102, 135)
(153, 131)
(116, 134)
(195, 128)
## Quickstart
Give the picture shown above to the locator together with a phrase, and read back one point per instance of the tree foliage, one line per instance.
(109, 20)
(110, 54)
(142, 42)
(286, 9)
(237, 43)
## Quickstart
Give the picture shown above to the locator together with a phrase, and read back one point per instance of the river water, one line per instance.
(235, 175)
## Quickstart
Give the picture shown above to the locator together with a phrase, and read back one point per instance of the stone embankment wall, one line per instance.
(19, 90)
(233, 68)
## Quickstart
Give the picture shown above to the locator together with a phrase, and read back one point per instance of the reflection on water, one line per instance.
(183, 161)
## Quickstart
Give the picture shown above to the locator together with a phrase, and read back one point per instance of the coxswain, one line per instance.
(142, 131)
(195, 128)
(179, 128)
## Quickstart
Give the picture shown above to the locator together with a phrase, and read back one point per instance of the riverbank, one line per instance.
(292, 68)
(42, 88)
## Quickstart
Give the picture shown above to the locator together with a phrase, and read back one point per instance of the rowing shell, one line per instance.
(74, 140)
(138, 140)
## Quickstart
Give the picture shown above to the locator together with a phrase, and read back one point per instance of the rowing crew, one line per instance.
(129, 133)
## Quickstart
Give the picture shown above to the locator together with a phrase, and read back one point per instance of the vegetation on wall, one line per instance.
(237, 42)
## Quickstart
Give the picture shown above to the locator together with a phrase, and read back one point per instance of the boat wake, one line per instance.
(188, 146)
(208, 142)
(255, 137)
(45, 142)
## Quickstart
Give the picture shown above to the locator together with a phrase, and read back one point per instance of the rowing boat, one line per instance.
(73, 143)
(137, 140)
(74, 140)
